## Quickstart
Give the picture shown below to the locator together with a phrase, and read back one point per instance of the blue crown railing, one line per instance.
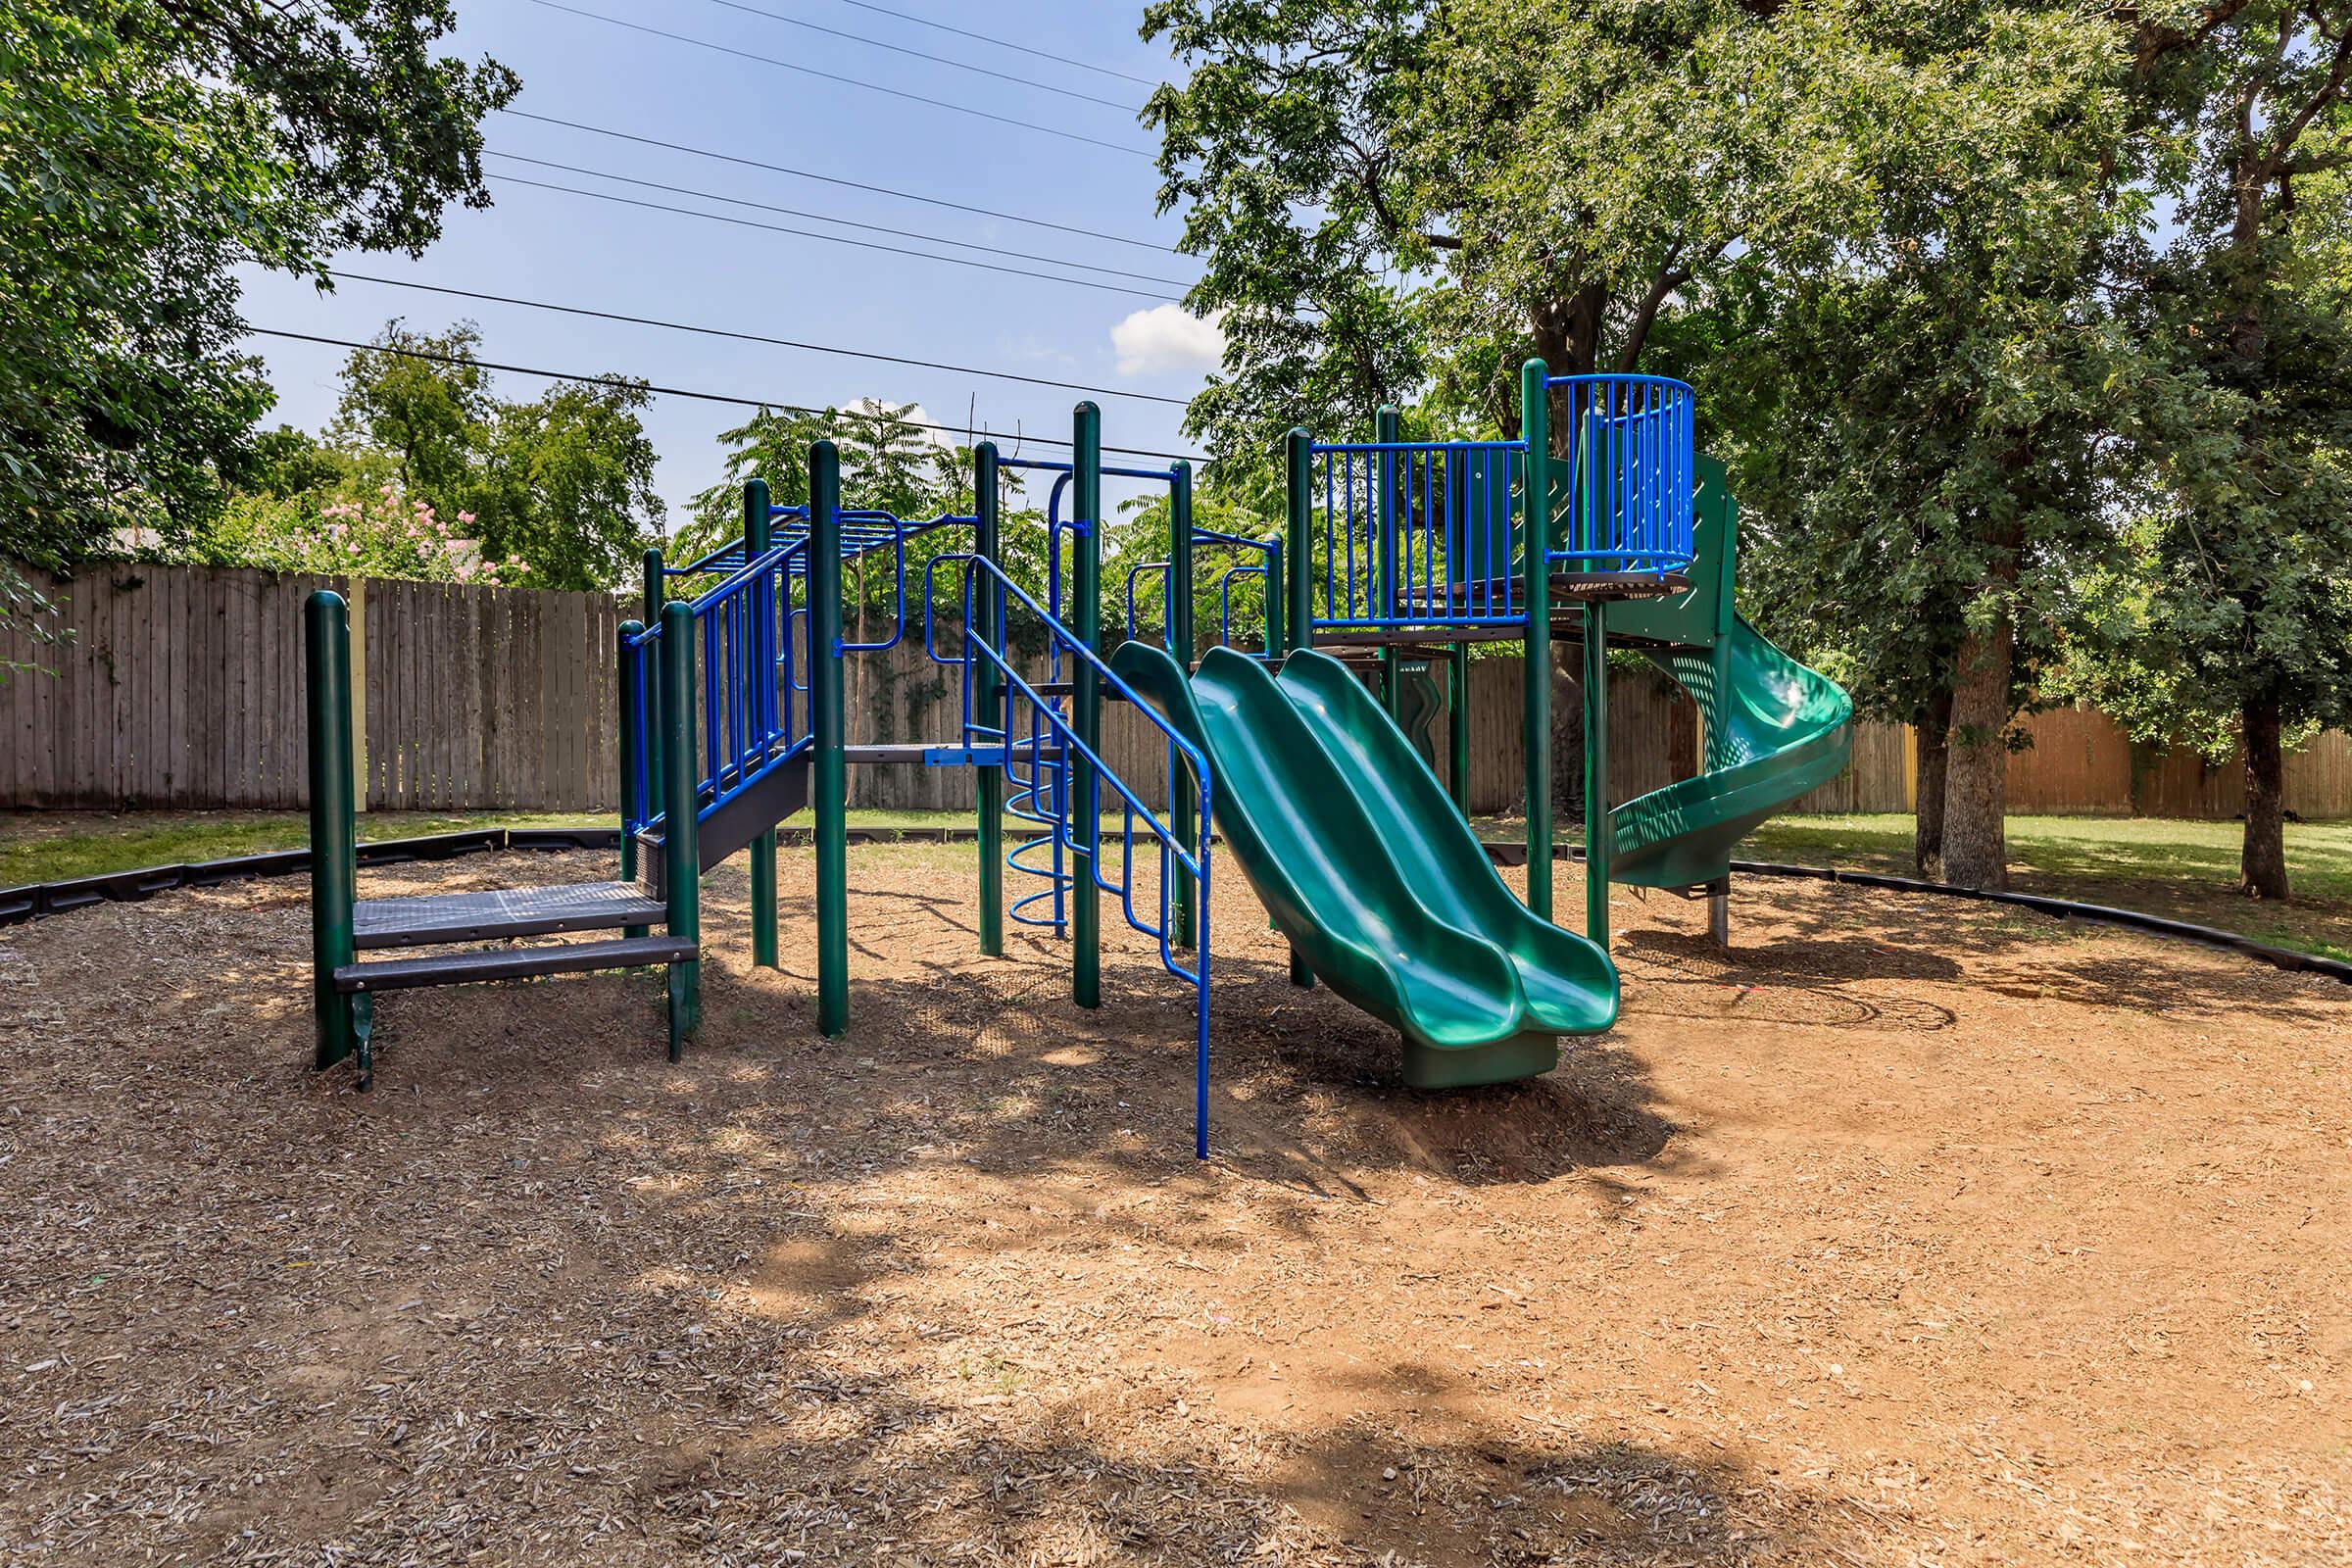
(1623, 475)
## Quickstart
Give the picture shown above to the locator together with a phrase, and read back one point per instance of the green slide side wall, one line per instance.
(1328, 871)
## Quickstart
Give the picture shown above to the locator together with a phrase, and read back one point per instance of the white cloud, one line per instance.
(912, 414)
(1167, 339)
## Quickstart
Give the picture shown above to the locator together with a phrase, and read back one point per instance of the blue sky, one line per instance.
(577, 250)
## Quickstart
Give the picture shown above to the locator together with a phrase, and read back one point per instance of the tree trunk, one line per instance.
(1975, 852)
(1567, 738)
(1931, 743)
(2263, 863)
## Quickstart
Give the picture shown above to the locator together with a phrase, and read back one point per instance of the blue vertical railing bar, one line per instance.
(1626, 476)
(1416, 534)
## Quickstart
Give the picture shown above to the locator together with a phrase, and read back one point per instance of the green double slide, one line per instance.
(1357, 854)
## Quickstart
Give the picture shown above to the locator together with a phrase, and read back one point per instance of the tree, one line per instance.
(2239, 615)
(567, 485)
(1924, 194)
(558, 489)
(419, 397)
(147, 147)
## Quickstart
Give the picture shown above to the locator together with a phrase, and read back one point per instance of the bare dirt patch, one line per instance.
(1905, 1232)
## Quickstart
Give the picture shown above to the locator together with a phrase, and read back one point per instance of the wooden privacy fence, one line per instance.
(183, 687)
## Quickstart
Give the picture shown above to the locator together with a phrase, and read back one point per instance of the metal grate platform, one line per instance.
(502, 912)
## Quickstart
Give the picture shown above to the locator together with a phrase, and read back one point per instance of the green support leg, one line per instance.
(988, 696)
(682, 870)
(1457, 728)
(1297, 583)
(763, 848)
(1086, 705)
(1596, 774)
(1388, 427)
(832, 782)
(652, 596)
(334, 827)
(1535, 426)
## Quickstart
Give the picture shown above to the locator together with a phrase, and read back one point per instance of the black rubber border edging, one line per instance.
(40, 901)
(1511, 853)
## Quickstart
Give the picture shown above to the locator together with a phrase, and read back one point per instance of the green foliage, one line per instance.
(428, 472)
(146, 149)
(2237, 594)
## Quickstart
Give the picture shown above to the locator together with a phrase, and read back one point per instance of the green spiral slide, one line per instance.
(1361, 860)
(1773, 729)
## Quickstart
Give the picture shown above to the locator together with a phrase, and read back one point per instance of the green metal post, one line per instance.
(1388, 427)
(653, 595)
(1597, 844)
(1299, 509)
(632, 719)
(1457, 726)
(1274, 603)
(334, 827)
(1183, 807)
(1086, 705)
(988, 695)
(682, 870)
(825, 724)
(1299, 600)
(1535, 427)
(763, 848)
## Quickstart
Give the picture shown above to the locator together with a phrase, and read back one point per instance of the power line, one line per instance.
(837, 239)
(829, 179)
(852, 81)
(985, 37)
(748, 337)
(626, 385)
(942, 60)
(826, 217)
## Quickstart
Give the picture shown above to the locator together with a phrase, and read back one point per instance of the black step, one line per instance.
(513, 964)
(502, 912)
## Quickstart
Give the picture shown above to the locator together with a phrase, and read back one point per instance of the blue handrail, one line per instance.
(1078, 824)
(747, 720)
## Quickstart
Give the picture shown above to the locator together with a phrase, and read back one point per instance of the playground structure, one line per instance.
(1395, 558)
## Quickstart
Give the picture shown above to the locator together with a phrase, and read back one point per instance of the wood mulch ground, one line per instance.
(1908, 1232)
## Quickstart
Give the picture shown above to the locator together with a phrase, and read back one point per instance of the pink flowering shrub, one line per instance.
(388, 535)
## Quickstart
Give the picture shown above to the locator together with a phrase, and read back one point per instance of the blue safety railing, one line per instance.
(748, 720)
(1623, 475)
(1414, 533)
(1076, 825)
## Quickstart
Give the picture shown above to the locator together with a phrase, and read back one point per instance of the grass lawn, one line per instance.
(2162, 865)
(2181, 869)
